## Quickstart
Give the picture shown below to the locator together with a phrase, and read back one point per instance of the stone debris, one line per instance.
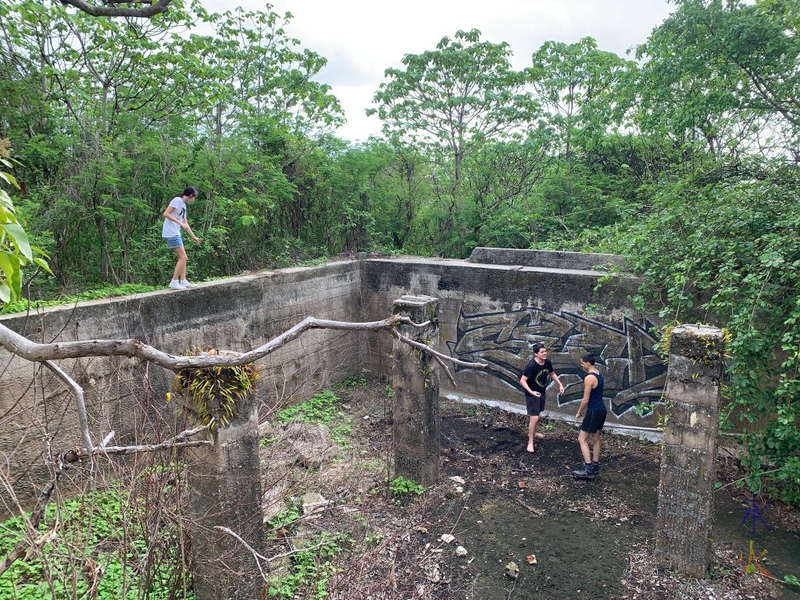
(313, 503)
(512, 570)
(447, 538)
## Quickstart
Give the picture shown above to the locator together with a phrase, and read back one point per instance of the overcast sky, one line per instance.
(362, 38)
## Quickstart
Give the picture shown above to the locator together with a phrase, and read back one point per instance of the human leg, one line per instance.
(595, 437)
(179, 273)
(583, 442)
(534, 406)
(532, 422)
(589, 441)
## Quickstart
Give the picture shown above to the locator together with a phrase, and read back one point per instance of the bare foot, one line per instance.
(530, 448)
(539, 436)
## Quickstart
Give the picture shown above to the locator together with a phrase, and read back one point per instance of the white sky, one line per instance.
(362, 38)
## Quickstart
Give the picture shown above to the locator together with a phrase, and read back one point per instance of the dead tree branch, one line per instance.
(112, 8)
(77, 391)
(133, 348)
(45, 353)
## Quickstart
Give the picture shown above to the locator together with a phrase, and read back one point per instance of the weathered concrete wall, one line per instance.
(127, 396)
(493, 313)
(488, 311)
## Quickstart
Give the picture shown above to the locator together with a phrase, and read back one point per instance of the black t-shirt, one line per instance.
(538, 375)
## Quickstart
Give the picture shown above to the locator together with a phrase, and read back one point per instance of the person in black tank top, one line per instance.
(594, 406)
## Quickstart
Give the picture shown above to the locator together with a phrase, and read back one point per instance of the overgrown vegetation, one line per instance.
(128, 289)
(685, 162)
(105, 535)
(682, 162)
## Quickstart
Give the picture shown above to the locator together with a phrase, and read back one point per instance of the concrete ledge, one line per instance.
(546, 258)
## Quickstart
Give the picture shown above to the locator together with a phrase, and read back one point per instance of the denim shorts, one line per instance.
(174, 242)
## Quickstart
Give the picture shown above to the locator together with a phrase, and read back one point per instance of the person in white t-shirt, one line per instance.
(174, 221)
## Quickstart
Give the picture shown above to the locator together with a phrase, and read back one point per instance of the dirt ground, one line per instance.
(501, 523)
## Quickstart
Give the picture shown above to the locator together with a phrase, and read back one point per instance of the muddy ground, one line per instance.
(501, 505)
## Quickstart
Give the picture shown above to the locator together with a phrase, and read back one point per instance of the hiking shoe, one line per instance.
(585, 473)
(187, 284)
(595, 467)
(176, 285)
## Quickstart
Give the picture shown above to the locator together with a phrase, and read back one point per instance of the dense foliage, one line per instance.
(684, 160)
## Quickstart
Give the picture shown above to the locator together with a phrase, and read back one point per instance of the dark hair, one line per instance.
(588, 358)
(537, 346)
(190, 190)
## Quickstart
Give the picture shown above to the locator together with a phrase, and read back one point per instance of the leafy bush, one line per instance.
(128, 289)
(400, 486)
(725, 250)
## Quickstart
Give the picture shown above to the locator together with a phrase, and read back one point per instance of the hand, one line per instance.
(537, 394)
(197, 239)
(578, 415)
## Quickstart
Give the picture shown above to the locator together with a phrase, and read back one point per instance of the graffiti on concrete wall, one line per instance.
(632, 370)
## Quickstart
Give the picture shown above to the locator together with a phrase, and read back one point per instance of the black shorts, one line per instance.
(594, 419)
(534, 405)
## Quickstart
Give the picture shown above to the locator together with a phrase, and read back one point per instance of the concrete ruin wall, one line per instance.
(37, 413)
(492, 308)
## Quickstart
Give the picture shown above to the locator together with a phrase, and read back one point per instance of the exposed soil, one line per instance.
(501, 505)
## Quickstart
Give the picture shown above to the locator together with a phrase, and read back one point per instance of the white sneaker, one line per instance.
(187, 284)
(176, 285)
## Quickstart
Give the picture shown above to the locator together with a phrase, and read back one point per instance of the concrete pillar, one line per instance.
(415, 379)
(689, 451)
(225, 490)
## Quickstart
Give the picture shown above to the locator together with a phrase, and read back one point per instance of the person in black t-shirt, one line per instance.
(534, 381)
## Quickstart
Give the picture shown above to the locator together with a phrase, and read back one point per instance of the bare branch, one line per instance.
(259, 557)
(175, 442)
(111, 8)
(78, 392)
(21, 346)
(131, 348)
(256, 555)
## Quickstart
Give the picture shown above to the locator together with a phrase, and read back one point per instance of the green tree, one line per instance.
(450, 102)
(721, 247)
(579, 88)
(723, 74)
(457, 96)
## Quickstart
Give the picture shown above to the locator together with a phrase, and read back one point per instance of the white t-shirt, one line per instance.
(170, 228)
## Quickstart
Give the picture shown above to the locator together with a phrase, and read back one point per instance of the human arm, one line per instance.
(191, 233)
(589, 383)
(523, 381)
(554, 377)
(169, 214)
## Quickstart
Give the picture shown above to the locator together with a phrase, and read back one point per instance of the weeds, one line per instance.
(321, 408)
